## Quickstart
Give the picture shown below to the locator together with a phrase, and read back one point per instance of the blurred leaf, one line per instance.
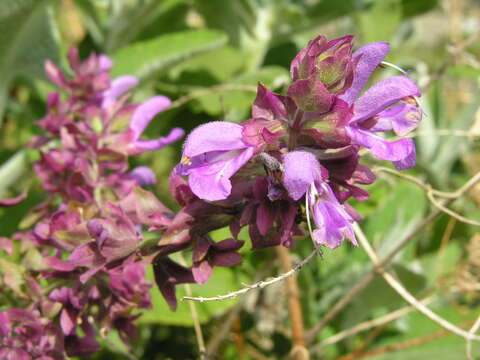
(327, 10)
(381, 20)
(240, 101)
(27, 39)
(414, 7)
(450, 149)
(12, 170)
(146, 58)
(379, 295)
(417, 325)
(401, 209)
(233, 17)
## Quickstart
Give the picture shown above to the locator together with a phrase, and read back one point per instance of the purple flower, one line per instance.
(304, 175)
(212, 154)
(142, 116)
(372, 112)
(24, 335)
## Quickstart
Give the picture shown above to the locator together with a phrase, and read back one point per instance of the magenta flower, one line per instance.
(305, 176)
(372, 112)
(212, 154)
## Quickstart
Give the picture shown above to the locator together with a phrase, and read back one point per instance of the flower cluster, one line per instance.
(298, 156)
(83, 263)
(87, 275)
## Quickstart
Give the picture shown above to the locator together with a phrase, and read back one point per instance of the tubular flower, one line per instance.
(212, 154)
(304, 175)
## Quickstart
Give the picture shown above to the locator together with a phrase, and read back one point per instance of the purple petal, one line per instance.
(55, 75)
(265, 218)
(229, 258)
(174, 135)
(104, 62)
(12, 201)
(407, 162)
(301, 169)
(214, 136)
(143, 175)
(381, 148)
(119, 86)
(202, 271)
(381, 95)
(212, 182)
(146, 112)
(371, 56)
(401, 118)
(268, 105)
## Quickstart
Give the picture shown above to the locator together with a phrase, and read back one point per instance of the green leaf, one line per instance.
(27, 39)
(400, 210)
(240, 102)
(12, 170)
(381, 21)
(147, 58)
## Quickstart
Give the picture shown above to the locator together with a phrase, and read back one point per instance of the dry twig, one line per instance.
(406, 295)
(260, 284)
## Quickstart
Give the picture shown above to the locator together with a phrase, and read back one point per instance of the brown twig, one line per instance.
(260, 284)
(405, 294)
(299, 352)
(368, 277)
(400, 346)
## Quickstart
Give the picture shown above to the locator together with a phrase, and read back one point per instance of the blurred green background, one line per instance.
(207, 56)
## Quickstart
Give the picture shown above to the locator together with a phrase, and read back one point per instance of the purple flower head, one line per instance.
(270, 214)
(129, 283)
(304, 175)
(142, 116)
(212, 154)
(375, 111)
(24, 336)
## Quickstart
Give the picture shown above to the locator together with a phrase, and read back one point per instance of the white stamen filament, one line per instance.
(386, 63)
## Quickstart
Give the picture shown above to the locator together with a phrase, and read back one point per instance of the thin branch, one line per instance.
(364, 326)
(472, 332)
(405, 294)
(260, 284)
(368, 277)
(399, 346)
(222, 333)
(299, 351)
(450, 212)
(196, 320)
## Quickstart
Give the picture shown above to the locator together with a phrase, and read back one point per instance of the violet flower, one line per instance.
(142, 116)
(372, 112)
(305, 176)
(212, 154)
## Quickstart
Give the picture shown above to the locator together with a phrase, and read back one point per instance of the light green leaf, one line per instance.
(27, 38)
(147, 58)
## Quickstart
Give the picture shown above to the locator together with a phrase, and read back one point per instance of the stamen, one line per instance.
(386, 63)
(185, 160)
(307, 211)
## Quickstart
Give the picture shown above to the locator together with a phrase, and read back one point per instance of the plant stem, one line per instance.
(299, 351)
